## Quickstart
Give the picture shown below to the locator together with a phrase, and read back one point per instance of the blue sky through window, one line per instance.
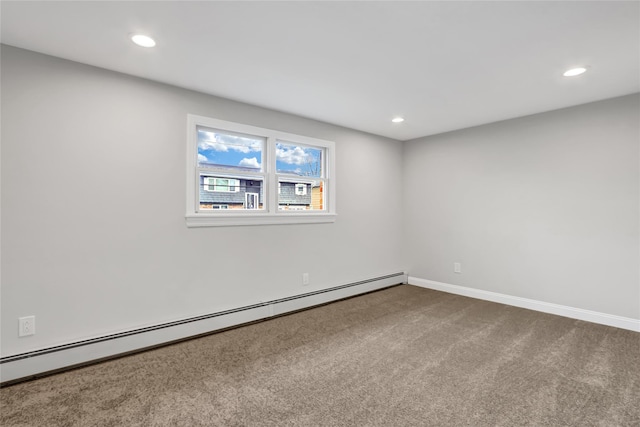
(244, 151)
(223, 149)
(298, 160)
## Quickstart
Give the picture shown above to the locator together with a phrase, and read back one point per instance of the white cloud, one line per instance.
(224, 143)
(212, 145)
(292, 155)
(202, 159)
(246, 146)
(250, 163)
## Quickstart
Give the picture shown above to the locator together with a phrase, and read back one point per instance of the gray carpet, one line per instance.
(404, 356)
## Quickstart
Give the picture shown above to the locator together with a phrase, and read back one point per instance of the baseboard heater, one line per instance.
(32, 364)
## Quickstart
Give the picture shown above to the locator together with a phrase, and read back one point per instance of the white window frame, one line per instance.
(270, 214)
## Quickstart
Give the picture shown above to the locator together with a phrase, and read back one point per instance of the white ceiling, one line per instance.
(441, 65)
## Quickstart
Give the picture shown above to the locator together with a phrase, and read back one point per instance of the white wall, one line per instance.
(545, 207)
(93, 201)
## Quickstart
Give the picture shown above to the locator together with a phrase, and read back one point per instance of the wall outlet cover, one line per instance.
(26, 326)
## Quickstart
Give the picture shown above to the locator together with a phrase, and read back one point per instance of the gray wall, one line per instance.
(93, 198)
(93, 201)
(543, 207)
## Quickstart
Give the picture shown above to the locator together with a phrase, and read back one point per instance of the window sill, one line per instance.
(226, 220)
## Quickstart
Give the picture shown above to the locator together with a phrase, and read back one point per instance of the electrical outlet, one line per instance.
(26, 326)
(457, 267)
(305, 279)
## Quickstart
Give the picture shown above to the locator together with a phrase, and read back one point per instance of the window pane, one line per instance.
(296, 195)
(230, 151)
(218, 192)
(220, 184)
(299, 160)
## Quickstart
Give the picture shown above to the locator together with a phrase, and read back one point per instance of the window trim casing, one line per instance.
(271, 215)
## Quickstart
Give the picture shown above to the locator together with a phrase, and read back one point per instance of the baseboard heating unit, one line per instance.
(45, 361)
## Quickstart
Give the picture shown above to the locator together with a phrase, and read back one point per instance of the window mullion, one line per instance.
(272, 185)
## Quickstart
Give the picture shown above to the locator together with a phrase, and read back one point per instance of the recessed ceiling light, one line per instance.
(397, 120)
(142, 40)
(574, 72)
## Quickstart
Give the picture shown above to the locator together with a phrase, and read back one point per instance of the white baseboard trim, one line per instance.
(545, 307)
(32, 364)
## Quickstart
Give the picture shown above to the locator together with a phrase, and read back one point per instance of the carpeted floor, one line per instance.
(403, 356)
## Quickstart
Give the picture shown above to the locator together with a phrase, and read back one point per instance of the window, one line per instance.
(222, 184)
(301, 189)
(244, 175)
